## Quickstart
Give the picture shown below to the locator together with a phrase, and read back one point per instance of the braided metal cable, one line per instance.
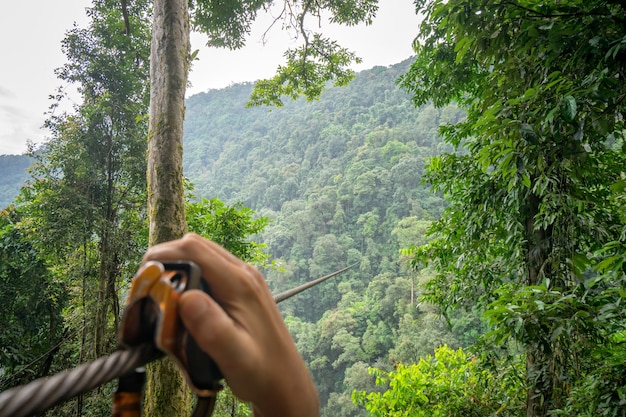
(44, 393)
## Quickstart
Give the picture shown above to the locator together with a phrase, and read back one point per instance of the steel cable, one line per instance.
(44, 393)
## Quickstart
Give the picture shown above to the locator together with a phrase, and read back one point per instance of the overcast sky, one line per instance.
(30, 46)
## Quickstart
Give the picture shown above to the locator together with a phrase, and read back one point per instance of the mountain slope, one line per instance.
(12, 176)
(340, 178)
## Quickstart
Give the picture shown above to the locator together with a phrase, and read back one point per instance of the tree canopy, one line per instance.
(530, 241)
(308, 67)
(536, 177)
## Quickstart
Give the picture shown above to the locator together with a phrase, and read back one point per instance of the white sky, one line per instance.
(30, 50)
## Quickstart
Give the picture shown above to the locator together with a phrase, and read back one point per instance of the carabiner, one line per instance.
(152, 315)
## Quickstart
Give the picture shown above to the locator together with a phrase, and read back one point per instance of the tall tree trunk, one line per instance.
(540, 371)
(108, 267)
(169, 57)
(83, 333)
(101, 301)
(168, 79)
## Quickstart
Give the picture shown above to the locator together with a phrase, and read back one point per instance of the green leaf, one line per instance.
(568, 109)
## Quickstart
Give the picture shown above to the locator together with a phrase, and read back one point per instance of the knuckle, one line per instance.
(252, 281)
(189, 240)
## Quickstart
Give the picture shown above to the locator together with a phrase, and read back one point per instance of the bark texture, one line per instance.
(166, 393)
(168, 80)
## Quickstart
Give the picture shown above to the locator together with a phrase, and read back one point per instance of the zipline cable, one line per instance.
(44, 393)
(290, 293)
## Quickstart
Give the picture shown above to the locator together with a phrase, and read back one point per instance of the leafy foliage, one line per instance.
(532, 181)
(33, 300)
(601, 392)
(226, 24)
(307, 71)
(450, 383)
(230, 226)
(82, 214)
(310, 66)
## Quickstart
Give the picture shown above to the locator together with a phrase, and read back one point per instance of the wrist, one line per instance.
(295, 398)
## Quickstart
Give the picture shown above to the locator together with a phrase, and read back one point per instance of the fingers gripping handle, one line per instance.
(152, 314)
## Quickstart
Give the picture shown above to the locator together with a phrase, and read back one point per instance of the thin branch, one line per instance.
(126, 19)
(305, 35)
(280, 17)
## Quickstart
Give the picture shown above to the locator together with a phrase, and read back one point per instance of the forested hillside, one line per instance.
(340, 179)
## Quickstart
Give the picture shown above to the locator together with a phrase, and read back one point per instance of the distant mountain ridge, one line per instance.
(13, 174)
(224, 140)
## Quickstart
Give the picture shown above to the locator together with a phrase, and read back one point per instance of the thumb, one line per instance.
(194, 308)
(213, 330)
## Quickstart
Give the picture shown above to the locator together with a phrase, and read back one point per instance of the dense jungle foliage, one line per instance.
(337, 188)
(477, 190)
(535, 234)
(340, 181)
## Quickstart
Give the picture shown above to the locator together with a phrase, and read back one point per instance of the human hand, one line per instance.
(241, 328)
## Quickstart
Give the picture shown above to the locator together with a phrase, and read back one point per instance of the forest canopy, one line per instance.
(478, 187)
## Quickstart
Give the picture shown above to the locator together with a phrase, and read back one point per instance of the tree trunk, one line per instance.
(165, 393)
(539, 363)
(108, 259)
(539, 391)
(101, 300)
(168, 80)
